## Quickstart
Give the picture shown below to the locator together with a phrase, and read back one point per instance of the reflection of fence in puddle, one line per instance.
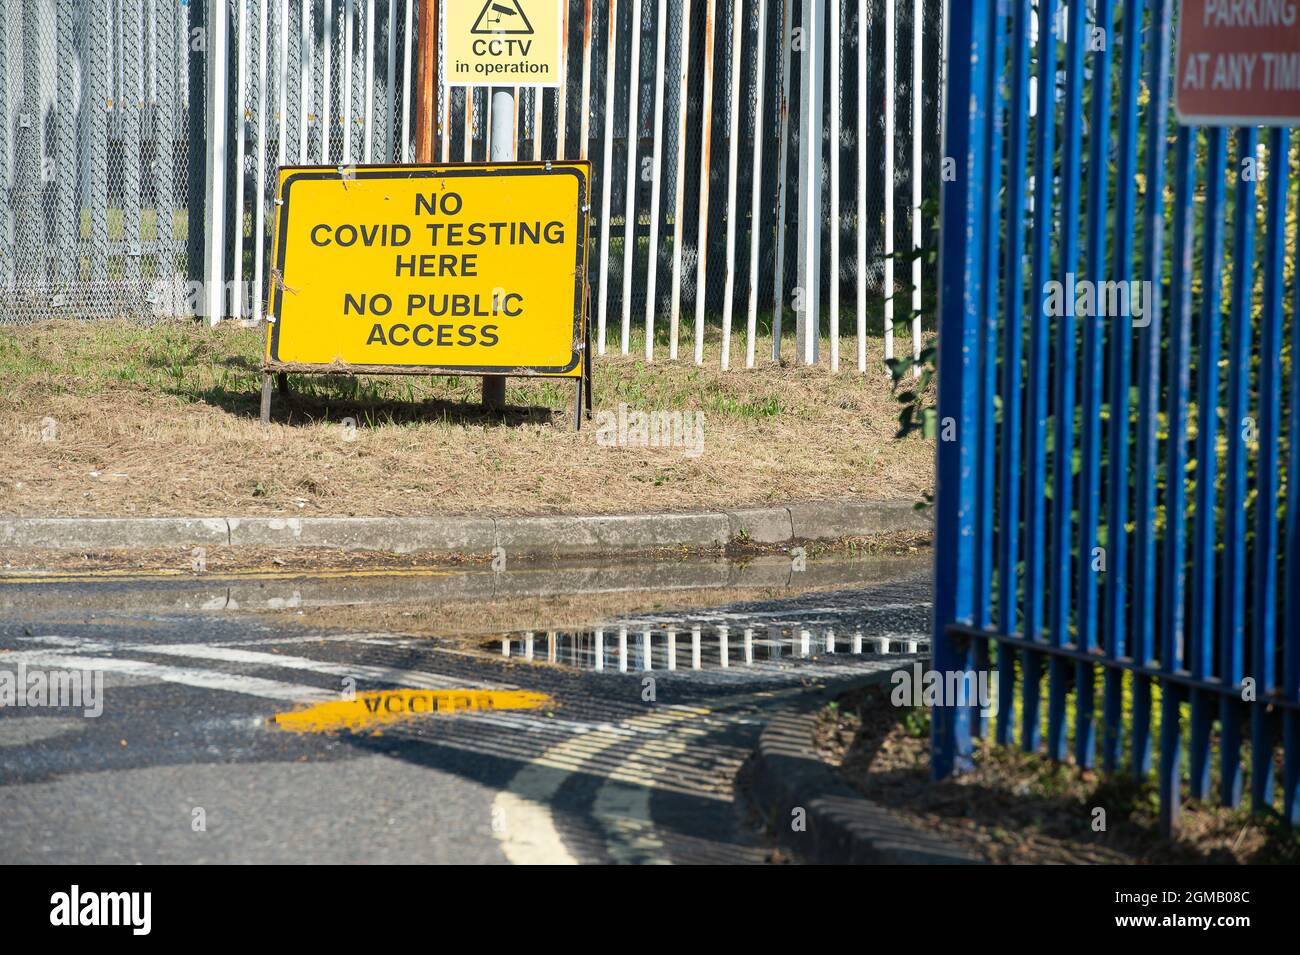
(625, 650)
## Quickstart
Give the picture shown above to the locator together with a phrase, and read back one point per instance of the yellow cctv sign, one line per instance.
(502, 42)
(464, 269)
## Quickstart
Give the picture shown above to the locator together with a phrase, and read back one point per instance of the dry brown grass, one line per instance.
(1017, 807)
(163, 421)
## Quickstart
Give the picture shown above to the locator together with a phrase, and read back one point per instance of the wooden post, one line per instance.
(426, 94)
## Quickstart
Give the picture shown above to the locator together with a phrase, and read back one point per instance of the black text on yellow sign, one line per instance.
(503, 42)
(475, 269)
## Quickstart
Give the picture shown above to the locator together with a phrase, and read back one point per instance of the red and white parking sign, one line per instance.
(1238, 63)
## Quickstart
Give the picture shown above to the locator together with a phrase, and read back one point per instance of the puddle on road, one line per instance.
(692, 614)
(623, 651)
(470, 599)
(890, 598)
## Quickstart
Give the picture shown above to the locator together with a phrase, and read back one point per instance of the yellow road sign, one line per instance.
(502, 42)
(462, 269)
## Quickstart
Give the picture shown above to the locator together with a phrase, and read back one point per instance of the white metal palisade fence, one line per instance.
(759, 162)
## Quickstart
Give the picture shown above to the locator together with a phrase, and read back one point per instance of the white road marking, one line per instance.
(16, 657)
(38, 729)
(398, 677)
(375, 638)
(61, 647)
(189, 676)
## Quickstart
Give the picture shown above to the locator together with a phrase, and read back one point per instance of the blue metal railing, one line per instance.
(1114, 491)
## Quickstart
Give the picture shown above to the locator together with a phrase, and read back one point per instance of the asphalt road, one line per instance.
(186, 763)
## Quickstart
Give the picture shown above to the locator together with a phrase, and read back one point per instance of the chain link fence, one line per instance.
(98, 183)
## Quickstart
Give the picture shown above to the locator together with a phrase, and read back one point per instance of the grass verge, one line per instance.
(114, 418)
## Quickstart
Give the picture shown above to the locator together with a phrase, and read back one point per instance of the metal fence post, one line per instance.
(29, 150)
(756, 186)
(961, 278)
(167, 105)
(606, 174)
(782, 174)
(808, 291)
(67, 218)
(891, 114)
(6, 170)
(629, 198)
(259, 191)
(95, 178)
(504, 149)
(679, 180)
(214, 208)
(656, 182)
(1291, 621)
(132, 109)
(702, 212)
(733, 150)
(917, 152)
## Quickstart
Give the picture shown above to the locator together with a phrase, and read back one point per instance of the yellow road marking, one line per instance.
(371, 711)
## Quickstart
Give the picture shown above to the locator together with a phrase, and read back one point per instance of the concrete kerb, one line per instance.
(841, 827)
(542, 535)
(69, 533)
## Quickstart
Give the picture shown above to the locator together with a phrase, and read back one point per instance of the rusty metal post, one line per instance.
(427, 86)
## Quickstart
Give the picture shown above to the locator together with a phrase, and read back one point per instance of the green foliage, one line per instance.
(918, 412)
(916, 721)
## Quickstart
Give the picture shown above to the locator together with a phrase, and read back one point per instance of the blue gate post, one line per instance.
(1267, 483)
(1037, 411)
(1291, 617)
(1147, 342)
(961, 300)
(1012, 447)
(1173, 621)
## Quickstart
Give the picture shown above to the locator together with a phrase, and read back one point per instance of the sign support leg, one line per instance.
(266, 397)
(577, 403)
(586, 363)
(494, 392)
